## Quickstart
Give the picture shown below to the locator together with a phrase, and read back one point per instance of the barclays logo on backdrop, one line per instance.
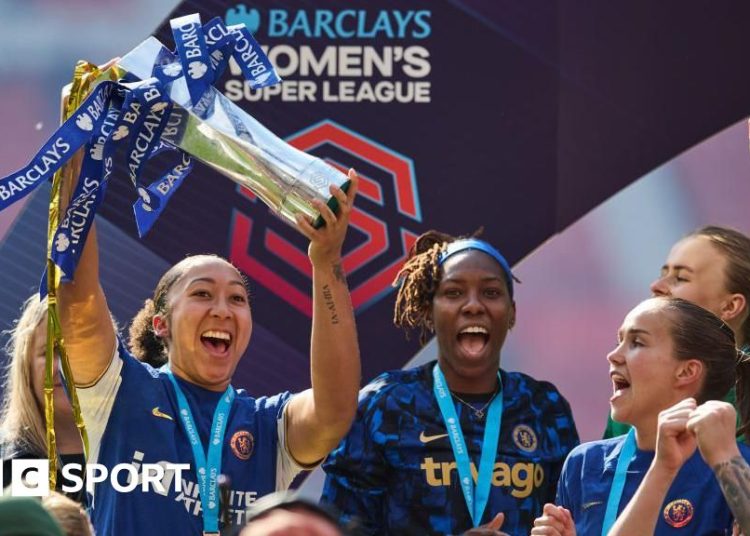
(240, 15)
(330, 24)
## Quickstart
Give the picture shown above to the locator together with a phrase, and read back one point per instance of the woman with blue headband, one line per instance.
(459, 444)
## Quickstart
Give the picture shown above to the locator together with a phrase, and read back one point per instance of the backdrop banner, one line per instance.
(518, 117)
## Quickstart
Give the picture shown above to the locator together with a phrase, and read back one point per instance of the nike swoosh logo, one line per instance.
(586, 506)
(426, 439)
(156, 413)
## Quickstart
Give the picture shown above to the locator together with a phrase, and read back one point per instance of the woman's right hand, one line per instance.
(554, 521)
(714, 426)
(674, 442)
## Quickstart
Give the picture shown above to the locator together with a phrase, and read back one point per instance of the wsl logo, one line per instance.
(330, 24)
(385, 222)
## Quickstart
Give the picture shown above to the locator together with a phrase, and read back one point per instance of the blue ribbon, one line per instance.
(193, 53)
(220, 42)
(137, 112)
(256, 67)
(476, 497)
(61, 146)
(155, 196)
(618, 482)
(73, 230)
(207, 467)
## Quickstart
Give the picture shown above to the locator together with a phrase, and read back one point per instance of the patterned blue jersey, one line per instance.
(132, 417)
(396, 472)
(694, 503)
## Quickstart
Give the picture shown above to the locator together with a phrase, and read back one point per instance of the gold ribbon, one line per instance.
(85, 77)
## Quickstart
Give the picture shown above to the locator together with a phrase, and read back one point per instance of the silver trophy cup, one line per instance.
(222, 135)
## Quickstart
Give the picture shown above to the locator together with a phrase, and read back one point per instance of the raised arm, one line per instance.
(318, 418)
(87, 327)
(674, 445)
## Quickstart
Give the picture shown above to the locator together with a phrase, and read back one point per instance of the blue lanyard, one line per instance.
(476, 498)
(618, 483)
(207, 471)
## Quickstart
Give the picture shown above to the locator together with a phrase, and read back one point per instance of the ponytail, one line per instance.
(144, 344)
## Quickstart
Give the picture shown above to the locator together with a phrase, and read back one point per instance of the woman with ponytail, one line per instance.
(680, 466)
(423, 436)
(186, 417)
(711, 268)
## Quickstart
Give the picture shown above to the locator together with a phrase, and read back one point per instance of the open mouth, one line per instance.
(473, 339)
(619, 384)
(216, 341)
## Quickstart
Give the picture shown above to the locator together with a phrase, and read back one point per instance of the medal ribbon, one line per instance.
(618, 482)
(476, 497)
(207, 468)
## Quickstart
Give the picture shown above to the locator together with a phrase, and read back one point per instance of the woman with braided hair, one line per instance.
(459, 444)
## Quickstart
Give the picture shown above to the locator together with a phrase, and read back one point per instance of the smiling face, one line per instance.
(646, 377)
(208, 323)
(695, 271)
(471, 313)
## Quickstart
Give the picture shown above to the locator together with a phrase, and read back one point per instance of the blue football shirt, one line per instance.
(132, 417)
(395, 470)
(693, 505)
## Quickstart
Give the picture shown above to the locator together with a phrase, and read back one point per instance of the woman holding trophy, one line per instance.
(187, 412)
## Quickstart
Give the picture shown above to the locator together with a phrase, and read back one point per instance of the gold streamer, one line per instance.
(85, 77)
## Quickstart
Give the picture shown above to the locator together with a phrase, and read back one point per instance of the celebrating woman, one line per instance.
(456, 444)
(674, 361)
(186, 416)
(711, 268)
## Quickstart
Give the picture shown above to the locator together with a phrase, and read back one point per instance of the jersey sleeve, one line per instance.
(356, 471)
(562, 497)
(570, 483)
(286, 466)
(97, 401)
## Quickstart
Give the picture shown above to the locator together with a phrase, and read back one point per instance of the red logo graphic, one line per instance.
(399, 185)
(242, 444)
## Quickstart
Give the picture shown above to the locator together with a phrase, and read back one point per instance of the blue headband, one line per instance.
(465, 244)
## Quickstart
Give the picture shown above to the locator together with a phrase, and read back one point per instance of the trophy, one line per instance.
(155, 100)
(223, 136)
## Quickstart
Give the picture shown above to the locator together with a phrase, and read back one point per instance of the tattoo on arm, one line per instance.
(338, 272)
(330, 304)
(734, 479)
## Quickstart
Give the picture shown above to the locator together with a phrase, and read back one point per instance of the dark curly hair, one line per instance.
(144, 344)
